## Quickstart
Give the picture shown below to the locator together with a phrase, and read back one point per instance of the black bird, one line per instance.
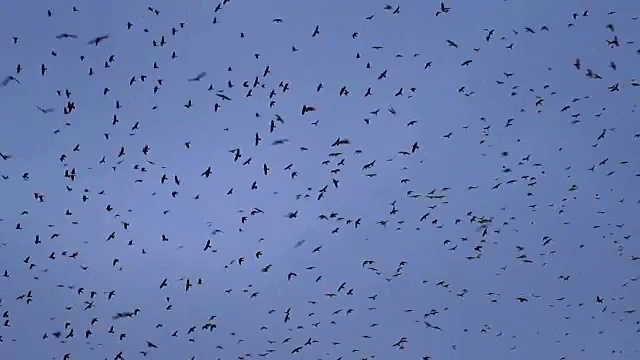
(198, 77)
(98, 40)
(66, 36)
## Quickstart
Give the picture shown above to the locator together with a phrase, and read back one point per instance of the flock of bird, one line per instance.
(340, 189)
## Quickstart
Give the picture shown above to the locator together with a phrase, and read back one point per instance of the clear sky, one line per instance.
(507, 231)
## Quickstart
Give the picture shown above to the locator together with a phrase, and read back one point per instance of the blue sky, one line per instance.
(518, 142)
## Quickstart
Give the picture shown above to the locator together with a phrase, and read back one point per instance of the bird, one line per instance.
(9, 79)
(198, 77)
(66, 36)
(45, 111)
(97, 40)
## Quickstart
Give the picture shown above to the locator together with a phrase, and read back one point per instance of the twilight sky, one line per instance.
(319, 180)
